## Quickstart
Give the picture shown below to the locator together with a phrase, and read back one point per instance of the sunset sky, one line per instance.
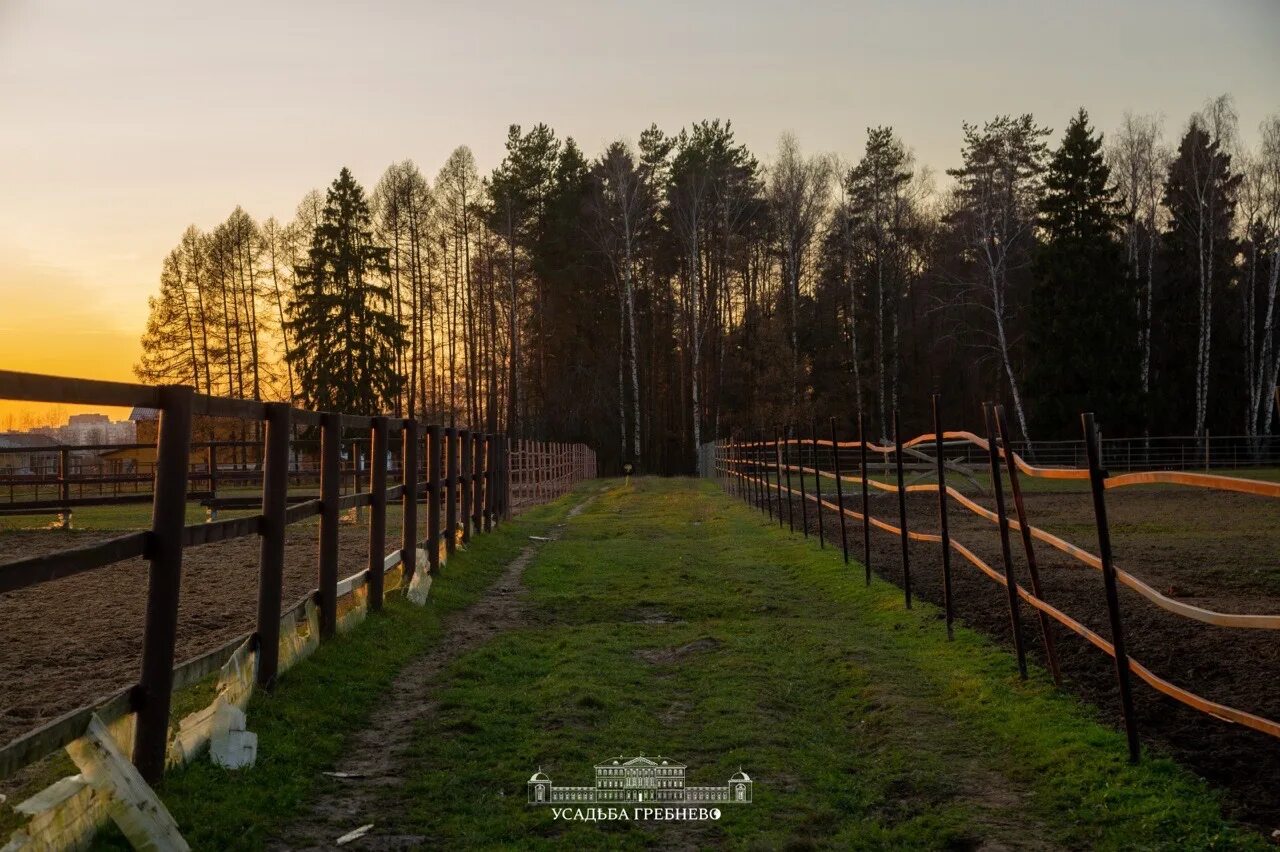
(120, 124)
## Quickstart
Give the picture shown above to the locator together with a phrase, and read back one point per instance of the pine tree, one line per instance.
(1082, 300)
(342, 318)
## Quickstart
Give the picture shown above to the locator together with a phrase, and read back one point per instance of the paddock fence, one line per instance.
(785, 476)
(356, 462)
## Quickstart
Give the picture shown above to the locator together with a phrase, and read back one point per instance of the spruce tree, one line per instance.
(341, 318)
(1083, 301)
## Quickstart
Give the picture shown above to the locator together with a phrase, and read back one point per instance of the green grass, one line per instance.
(672, 620)
(301, 725)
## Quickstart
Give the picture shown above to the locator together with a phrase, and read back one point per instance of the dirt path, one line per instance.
(374, 758)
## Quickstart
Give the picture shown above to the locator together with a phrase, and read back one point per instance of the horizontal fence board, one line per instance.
(33, 387)
(195, 534)
(54, 566)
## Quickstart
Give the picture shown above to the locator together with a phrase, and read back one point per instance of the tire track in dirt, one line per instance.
(376, 753)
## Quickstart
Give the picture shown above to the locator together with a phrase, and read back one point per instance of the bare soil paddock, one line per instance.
(65, 643)
(1216, 550)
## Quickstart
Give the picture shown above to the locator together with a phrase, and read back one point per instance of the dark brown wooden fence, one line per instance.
(467, 489)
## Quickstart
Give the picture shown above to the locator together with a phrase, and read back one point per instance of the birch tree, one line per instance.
(997, 191)
(1139, 161)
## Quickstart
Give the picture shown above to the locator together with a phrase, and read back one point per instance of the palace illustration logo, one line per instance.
(652, 788)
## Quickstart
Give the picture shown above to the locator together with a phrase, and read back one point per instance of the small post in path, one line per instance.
(435, 437)
(784, 449)
(468, 483)
(451, 489)
(804, 498)
(1097, 477)
(377, 510)
(1024, 526)
(330, 494)
(409, 501)
(835, 464)
(942, 516)
(1011, 583)
(866, 502)
(154, 692)
(902, 511)
(817, 483)
(275, 490)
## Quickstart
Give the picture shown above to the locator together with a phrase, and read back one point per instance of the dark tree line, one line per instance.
(682, 288)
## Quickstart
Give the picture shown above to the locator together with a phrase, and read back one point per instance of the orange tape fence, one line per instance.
(767, 473)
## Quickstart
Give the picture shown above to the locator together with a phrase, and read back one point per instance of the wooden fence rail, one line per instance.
(468, 481)
(760, 472)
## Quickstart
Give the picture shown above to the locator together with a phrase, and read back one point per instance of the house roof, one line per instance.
(144, 413)
(26, 440)
(640, 761)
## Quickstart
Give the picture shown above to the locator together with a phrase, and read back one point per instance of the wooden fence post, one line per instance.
(409, 501)
(866, 502)
(64, 484)
(479, 442)
(330, 494)
(1096, 482)
(490, 480)
(467, 483)
(942, 516)
(377, 510)
(504, 451)
(817, 483)
(152, 697)
(436, 438)
(902, 511)
(1011, 583)
(451, 490)
(835, 464)
(1024, 526)
(275, 491)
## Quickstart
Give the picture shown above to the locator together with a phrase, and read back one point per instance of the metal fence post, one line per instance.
(275, 490)
(330, 494)
(152, 697)
(1011, 583)
(409, 501)
(817, 483)
(786, 458)
(866, 502)
(1096, 482)
(942, 515)
(1024, 526)
(764, 474)
(435, 439)
(804, 498)
(835, 464)
(902, 511)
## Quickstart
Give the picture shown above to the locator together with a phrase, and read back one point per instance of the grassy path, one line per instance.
(667, 619)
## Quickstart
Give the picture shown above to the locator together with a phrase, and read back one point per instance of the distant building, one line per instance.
(90, 429)
(27, 453)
